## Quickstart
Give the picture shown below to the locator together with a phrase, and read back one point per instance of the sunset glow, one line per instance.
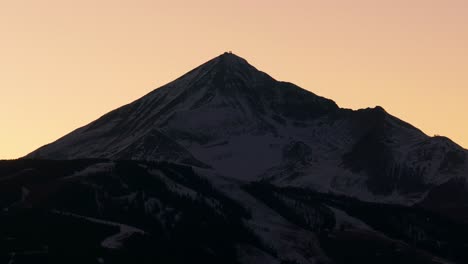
(65, 63)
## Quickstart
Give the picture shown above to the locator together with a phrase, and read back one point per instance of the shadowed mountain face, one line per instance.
(228, 165)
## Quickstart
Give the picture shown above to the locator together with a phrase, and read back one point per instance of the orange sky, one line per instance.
(64, 63)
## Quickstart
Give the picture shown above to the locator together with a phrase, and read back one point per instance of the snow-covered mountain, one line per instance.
(243, 124)
(228, 165)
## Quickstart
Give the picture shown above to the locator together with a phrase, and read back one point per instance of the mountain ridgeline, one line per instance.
(228, 165)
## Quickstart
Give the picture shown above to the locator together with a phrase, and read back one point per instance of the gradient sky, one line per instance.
(65, 63)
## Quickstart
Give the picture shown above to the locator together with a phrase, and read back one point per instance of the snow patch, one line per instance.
(112, 242)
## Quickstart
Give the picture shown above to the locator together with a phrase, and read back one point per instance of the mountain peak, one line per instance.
(231, 57)
(232, 62)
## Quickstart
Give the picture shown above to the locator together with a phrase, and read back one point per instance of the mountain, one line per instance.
(228, 165)
(223, 98)
(229, 116)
